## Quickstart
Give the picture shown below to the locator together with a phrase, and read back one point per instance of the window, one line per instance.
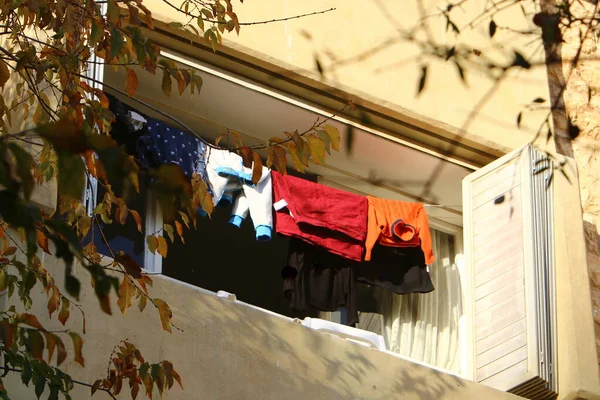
(126, 237)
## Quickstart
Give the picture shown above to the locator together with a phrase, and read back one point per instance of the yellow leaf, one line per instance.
(185, 219)
(152, 242)
(162, 246)
(132, 82)
(293, 151)
(179, 229)
(4, 73)
(78, 347)
(334, 135)
(138, 220)
(165, 314)
(126, 293)
(142, 303)
(317, 149)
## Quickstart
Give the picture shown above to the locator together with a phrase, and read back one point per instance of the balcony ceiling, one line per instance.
(373, 164)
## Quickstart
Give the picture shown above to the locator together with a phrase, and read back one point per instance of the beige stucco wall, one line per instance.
(582, 101)
(228, 351)
(357, 27)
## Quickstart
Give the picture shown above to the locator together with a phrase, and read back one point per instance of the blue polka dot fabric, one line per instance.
(163, 144)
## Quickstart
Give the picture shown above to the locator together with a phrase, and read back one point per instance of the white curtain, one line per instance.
(425, 327)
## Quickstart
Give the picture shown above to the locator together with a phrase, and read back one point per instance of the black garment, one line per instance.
(400, 269)
(123, 128)
(315, 278)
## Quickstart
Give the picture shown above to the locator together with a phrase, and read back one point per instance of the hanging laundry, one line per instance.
(316, 279)
(399, 269)
(320, 215)
(163, 144)
(398, 224)
(154, 143)
(227, 177)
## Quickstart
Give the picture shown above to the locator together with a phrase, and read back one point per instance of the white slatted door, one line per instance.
(509, 258)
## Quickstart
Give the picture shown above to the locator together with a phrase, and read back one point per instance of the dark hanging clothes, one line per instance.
(317, 279)
(154, 143)
(399, 269)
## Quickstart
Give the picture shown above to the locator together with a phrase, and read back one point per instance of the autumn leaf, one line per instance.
(35, 342)
(185, 219)
(169, 229)
(334, 136)
(130, 265)
(317, 149)
(126, 293)
(179, 229)
(166, 83)
(64, 313)
(61, 351)
(31, 320)
(138, 220)
(152, 242)
(9, 251)
(53, 301)
(142, 302)
(162, 246)
(4, 73)
(324, 136)
(7, 329)
(257, 168)
(165, 314)
(96, 386)
(247, 154)
(132, 82)
(78, 347)
(51, 342)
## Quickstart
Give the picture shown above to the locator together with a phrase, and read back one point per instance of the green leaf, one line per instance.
(35, 343)
(40, 384)
(71, 175)
(97, 31)
(116, 43)
(26, 373)
(334, 135)
(112, 11)
(325, 139)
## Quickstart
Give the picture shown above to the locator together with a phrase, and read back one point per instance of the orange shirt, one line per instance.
(398, 224)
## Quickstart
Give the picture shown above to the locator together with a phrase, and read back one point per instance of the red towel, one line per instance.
(320, 215)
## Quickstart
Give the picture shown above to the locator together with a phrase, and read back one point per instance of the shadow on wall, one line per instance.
(227, 350)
